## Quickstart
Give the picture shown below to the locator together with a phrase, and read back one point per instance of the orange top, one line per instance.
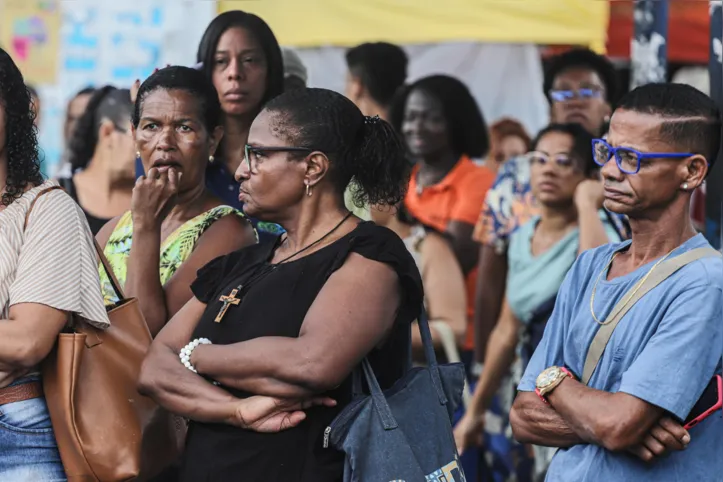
(457, 197)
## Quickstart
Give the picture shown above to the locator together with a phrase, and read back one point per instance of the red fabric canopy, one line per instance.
(688, 30)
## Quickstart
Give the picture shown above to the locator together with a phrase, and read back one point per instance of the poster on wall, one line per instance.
(29, 32)
(115, 43)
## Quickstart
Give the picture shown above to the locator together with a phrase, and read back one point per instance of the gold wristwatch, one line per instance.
(549, 379)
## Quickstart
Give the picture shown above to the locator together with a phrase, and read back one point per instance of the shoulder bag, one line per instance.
(404, 433)
(105, 430)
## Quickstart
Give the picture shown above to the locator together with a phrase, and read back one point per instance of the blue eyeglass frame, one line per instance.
(563, 95)
(614, 152)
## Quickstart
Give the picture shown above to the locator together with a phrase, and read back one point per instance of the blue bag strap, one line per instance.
(380, 402)
(431, 357)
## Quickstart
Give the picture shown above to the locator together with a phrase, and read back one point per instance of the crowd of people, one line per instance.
(275, 235)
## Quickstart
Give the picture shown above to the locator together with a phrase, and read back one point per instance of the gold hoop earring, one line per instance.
(308, 190)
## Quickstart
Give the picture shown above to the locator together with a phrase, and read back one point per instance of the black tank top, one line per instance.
(95, 223)
(276, 305)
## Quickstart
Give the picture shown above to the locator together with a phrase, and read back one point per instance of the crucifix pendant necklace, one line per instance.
(231, 300)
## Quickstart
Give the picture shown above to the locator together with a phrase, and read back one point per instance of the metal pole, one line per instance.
(649, 52)
(714, 183)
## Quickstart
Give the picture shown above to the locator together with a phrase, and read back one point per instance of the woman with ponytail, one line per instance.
(101, 157)
(292, 317)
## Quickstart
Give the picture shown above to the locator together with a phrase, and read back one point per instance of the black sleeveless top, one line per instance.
(95, 223)
(276, 305)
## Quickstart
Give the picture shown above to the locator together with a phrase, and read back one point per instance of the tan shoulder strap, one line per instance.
(99, 251)
(664, 270)
(109, 271)
(32, 203)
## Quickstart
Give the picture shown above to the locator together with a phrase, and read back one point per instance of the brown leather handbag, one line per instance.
(105, 430)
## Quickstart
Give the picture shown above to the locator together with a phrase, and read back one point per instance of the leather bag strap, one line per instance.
(109, 271)
(99, 251)
(666, 269)
(32, 203)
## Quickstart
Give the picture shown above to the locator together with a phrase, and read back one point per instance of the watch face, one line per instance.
(547, 377)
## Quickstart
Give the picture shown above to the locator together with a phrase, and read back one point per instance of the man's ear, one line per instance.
(695, 169)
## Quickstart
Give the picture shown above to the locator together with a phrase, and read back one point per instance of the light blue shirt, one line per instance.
(533, 280)
(664, 351)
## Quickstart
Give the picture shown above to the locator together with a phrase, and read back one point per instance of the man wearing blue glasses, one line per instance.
(657, 371)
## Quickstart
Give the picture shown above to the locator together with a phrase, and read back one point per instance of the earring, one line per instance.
(138, 154)
(685, 186)
(308, 190)
(211, 159)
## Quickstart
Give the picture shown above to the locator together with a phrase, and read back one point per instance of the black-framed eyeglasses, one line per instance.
(562, 161)
(627, 159)
(560, 95)
(251, 152)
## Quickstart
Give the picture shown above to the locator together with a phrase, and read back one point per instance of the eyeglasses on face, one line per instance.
(251, 153)
(561, 161)
(565, 95)
(627, 159)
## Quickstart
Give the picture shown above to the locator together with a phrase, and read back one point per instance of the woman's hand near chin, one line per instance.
(268, 414)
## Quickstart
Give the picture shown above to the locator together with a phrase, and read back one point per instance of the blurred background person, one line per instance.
(175, 224)
(446, 135)
(508, 139)
(579, 85)
(445, 297)
(376, 71)
(101, 155)
(73, 112)
(242, 57)
(565, 183)
(295, 74)
(76, 108)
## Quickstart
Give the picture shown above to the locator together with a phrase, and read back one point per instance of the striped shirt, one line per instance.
(52, 261)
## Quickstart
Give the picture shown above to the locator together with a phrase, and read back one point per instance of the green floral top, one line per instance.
(174, 251)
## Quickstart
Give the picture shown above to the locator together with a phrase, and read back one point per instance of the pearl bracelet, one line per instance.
(185, 354)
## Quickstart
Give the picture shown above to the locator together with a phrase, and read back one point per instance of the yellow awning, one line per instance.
(311, 23)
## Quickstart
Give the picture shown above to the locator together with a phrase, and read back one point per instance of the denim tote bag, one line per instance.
(404, 433)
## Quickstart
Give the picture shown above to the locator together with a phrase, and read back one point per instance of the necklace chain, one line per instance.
(309, 246)
(267, 269)
(638, 285)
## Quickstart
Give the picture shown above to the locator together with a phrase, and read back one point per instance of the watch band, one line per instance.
(544, 397)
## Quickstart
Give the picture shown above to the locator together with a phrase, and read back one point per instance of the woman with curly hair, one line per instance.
(293, 317)
(101, 157)
(47, 270)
